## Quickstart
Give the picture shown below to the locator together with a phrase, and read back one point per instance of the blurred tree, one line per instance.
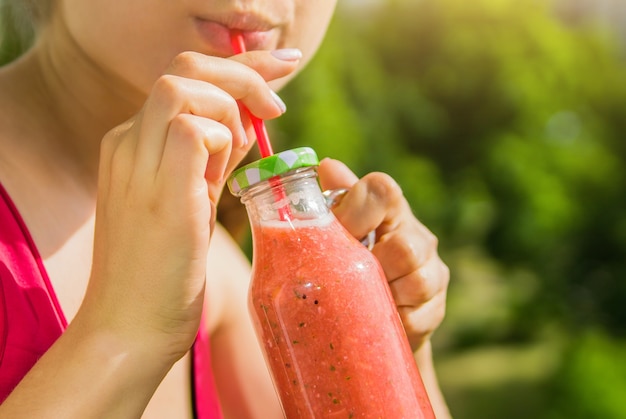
(16, 30)
(591, 382)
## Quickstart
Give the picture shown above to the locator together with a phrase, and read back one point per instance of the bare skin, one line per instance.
(117, 164)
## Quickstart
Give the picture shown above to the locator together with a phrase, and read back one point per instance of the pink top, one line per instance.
(31, 318)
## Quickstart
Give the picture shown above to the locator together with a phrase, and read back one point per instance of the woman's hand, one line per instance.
(405, 248)
(160, 176)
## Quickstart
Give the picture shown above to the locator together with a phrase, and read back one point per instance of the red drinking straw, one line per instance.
(262, 138)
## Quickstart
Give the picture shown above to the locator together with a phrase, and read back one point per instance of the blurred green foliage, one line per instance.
(16, 29)
(591, 382)
(504, 125)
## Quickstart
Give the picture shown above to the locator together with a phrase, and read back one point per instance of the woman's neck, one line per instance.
(73, 99)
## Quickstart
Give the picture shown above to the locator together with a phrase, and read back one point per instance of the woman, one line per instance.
(117, 130)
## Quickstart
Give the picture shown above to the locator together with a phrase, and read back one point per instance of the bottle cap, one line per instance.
(268, 167)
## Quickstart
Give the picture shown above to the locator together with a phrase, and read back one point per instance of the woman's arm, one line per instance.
(88, 373)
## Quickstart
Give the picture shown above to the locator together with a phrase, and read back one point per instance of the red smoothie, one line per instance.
(331, 333)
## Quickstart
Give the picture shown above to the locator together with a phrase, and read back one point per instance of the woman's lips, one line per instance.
(217, 36)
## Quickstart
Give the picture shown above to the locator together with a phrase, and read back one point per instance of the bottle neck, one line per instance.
(293, 196)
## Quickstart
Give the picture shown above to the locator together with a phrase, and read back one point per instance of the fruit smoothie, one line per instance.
(329, 327)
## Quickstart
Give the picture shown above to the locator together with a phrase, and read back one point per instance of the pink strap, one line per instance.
(207, 404)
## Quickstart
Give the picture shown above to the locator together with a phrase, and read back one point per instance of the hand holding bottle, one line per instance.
(406, 249)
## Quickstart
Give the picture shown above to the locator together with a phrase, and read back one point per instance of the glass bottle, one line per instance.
(320, 303)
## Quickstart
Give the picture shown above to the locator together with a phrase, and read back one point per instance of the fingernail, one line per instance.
(244, 137)
(279, 101)
(287, 54)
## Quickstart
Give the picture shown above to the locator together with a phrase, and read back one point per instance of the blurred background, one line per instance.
(504, 121)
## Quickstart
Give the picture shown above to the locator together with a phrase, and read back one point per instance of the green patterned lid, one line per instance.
(268, 167)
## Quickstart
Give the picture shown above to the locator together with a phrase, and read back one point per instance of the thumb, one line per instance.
(334, 174)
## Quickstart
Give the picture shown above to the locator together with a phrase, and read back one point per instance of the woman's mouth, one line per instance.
(256, 36)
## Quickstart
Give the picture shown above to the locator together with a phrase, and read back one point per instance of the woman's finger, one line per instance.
(406, 249)
(419, 286)
(244, 77)
(422, 322)
(197, 150)
(172, 96)
(375, 202)
(334, 174)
